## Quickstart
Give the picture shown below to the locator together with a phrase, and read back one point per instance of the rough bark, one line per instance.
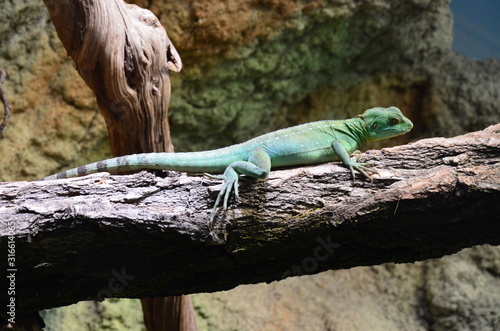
(147, 235)
(123, 53)
(170, 313)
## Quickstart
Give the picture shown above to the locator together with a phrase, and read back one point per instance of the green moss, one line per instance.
(245, 93)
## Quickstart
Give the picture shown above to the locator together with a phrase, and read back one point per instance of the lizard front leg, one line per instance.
(258, 165)
(351, 163)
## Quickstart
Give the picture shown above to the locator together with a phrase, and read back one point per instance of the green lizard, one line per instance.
(310, 143)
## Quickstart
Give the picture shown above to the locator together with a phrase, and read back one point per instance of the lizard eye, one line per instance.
(395, 121)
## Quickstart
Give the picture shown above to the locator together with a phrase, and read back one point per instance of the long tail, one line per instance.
(208, 161)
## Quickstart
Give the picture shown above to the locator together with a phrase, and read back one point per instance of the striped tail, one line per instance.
(114, 166)
(214, 161)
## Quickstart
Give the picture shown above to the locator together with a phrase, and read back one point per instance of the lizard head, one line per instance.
(384, 123)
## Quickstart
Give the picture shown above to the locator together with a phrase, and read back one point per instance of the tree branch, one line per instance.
(146, 235)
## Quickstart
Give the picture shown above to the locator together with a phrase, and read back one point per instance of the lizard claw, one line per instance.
(231, 183)
(258, 165)
(362, 168)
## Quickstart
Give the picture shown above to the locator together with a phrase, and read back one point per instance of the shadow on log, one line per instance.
(146, 234)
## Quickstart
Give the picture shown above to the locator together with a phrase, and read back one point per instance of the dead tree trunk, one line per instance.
(145, 235)
(124, 55)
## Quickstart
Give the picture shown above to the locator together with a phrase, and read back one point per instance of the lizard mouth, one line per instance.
(398, 131)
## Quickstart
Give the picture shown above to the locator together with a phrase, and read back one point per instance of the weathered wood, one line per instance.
(146, 234)
(124, 55)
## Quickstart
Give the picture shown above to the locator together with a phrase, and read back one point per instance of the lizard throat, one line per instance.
(357, 130)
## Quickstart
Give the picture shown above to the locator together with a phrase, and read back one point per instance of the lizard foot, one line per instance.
(230, 183)
(363, 168)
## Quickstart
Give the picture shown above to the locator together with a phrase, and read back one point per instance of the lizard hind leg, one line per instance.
(258, 165)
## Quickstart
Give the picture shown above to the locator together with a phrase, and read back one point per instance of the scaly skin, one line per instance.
(310, 143)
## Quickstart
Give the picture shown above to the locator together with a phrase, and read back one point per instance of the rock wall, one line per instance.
(253, 66)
